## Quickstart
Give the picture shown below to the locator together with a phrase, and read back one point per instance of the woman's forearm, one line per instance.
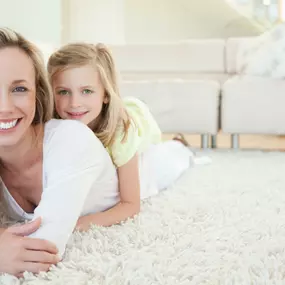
(115, 215)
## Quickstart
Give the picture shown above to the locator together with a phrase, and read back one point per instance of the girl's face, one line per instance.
(79, 94)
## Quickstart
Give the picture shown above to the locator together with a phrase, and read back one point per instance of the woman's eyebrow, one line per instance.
(17, 81)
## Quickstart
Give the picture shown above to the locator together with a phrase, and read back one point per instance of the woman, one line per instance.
(52, 171)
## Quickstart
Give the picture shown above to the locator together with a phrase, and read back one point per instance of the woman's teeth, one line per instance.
(8, 125)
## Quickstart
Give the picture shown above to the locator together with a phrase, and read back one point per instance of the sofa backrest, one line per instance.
(193, 56)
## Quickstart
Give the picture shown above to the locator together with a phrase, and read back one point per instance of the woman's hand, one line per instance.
(19, 253)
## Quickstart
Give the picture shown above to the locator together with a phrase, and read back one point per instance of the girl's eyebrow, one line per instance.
(61, 87)
(87, 86)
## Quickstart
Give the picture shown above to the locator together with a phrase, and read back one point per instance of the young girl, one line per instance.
(83, 79)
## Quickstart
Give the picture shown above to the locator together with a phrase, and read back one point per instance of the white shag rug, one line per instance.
(222, 223)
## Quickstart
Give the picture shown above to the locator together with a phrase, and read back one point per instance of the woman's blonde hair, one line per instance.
(44, 98)
(113, 115)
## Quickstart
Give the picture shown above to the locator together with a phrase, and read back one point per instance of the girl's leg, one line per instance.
(166, 162)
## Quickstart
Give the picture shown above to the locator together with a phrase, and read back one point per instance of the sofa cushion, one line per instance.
(265, 55)
(253, 105)
(189, 106)
(233, 46)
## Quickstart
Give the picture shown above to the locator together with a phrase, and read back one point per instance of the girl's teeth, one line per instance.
(8, 125)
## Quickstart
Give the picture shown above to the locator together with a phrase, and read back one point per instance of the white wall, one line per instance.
(37, 20)
(122, 21)
(171, 20)
(95, 21)
(135, 21)
(155, 20)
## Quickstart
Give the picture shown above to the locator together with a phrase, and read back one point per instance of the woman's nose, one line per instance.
(6, 101)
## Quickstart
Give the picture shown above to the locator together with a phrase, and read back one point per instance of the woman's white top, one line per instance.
(78, 178)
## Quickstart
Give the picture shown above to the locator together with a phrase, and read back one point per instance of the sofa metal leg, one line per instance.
(214, 141)
(235, 141)
(205, 141)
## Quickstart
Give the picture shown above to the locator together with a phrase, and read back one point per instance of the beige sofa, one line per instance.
(180, 82)
(180, 105)
(184, 83)
(250, 104)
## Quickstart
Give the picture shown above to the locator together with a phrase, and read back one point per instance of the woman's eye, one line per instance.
(62, 92)
(87, 91)
(20, 89)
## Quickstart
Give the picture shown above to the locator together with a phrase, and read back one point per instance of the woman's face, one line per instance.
(17, 95)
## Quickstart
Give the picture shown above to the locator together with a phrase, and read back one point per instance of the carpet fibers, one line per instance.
(222, 223)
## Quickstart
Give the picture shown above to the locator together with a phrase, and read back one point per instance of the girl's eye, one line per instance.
(20, 89)
(87, 91)
(62, 92)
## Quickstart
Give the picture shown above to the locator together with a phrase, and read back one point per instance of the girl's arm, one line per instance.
(129, 206)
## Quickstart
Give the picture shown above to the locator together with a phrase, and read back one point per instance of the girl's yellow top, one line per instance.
(143, 132)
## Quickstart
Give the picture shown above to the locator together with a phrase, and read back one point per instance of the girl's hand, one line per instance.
(83, 224)
(19, 253)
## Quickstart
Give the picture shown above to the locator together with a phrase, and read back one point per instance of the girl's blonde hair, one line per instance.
(44, 98)
(113, 115)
